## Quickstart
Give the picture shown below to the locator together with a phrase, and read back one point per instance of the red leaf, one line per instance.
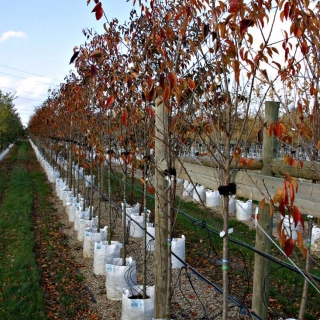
(109, 101)
(151, 112)
(233, 6)
(301, 164)
(152, 92)
(296, 215)
(282, 208)
(285, 190)
(279, 130)
(93, 71)
(124, 118)
(245, 24)
(288, 247)
(286, 10)
(98, 10)
(291, 162)
(162, 84)
(151, 189)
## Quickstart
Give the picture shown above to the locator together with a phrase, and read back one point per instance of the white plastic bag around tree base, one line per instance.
(244, 210)
(199, 194)
(178, 247)
(88, 241)
(119, 277)
(315, 238)
(187, 189)
(212, 198)
(91, 236)
(137, 309)
(134, 210)
(103, 252)
(150, 240)
(136, 230)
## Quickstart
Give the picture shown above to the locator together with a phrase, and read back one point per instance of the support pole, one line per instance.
(263, 243)
(161, 215)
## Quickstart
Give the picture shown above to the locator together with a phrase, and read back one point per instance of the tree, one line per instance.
(11, 127)
(207, 69)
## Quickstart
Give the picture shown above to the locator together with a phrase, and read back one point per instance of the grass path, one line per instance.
(38, 279)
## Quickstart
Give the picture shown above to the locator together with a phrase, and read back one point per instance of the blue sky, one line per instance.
(37, 40)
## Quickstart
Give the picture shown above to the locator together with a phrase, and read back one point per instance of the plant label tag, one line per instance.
(137, 304)
(109, 268)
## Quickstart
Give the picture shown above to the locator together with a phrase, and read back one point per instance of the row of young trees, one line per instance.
(183, 71)
(11, 127)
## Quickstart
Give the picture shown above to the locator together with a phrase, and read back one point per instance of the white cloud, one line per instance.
(12, 34)
(5, 82)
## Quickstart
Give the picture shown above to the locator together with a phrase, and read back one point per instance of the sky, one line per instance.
(37, 40)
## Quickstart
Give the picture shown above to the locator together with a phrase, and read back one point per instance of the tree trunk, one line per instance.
(161, 216)
(304, 297)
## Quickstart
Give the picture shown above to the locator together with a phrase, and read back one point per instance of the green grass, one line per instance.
(21, 296)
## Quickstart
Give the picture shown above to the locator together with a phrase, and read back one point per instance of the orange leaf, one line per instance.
(109, 101)
(191, 84)
(166, 94)
(270, 132)
(236, 153)
(286, 159)
(318, 145)
(262, 204)
(300, 239)
(236, 69)
(243, 161)
(172, 80)
(250, 161)
(278, 196)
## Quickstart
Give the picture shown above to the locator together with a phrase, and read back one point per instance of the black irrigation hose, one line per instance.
(265, 255)
(247, 273)
(217, 288)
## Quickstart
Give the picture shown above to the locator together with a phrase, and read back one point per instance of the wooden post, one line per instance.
(269, 146)
(262, 265)
(161, 215)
